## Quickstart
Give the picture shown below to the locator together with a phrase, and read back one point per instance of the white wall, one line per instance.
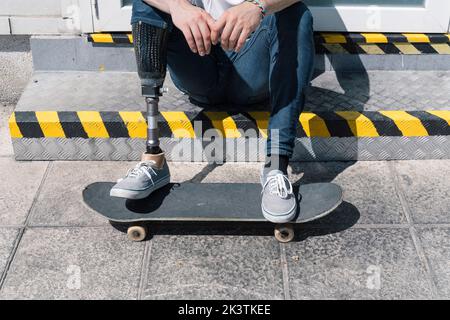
(43, 16)
(30, 7)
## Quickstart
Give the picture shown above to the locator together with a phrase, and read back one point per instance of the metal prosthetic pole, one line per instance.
(150, 45)
(152, 126)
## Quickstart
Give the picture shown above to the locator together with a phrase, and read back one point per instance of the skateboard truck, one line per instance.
(150, 46)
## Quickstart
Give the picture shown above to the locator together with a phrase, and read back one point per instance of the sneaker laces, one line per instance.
(142, 168)
(279, 185)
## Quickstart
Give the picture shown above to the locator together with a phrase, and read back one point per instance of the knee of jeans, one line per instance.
(306, 20)
(142, 11)
(189, 85)
(248, 92)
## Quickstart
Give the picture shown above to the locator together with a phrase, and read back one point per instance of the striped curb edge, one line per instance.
(341, 43)
(177, 124)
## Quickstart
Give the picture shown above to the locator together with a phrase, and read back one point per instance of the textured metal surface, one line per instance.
(372, 91)
(186, 150)
(357, 91)
(383, 148)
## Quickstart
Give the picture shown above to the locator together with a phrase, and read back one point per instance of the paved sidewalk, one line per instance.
(389, 239)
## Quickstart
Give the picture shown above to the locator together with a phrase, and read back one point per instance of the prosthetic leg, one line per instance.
(150, 45)
(152, 172)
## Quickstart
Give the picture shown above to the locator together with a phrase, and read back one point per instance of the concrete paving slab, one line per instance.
(214, 267)
(7, 238)
(181, 172)
(60, 202)
(436, 244)
(370, 188)
(20, 182)
(235, 173)
(426, 187)
(74, 263)
(5, 140)
(356, 264)
(369, 191)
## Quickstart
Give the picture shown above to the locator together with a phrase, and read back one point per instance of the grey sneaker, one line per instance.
(141, 180)
(279, 204)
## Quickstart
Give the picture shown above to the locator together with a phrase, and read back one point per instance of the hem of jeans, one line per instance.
(279, 152)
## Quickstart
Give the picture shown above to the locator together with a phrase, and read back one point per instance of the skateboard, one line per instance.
(221, 202)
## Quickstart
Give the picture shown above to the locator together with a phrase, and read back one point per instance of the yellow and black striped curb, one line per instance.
(126, 124)
(345, 43)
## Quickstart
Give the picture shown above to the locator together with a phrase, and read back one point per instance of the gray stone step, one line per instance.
(75, 53)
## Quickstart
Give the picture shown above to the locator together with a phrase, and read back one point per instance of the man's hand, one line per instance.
(235, 25)
(195, 24)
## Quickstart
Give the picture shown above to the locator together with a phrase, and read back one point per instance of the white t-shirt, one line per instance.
(216, 7)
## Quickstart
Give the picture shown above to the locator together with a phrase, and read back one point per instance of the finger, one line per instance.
(206, 35)
(210, 22)
(198, 38)
(242, 39)
(225, 37)
(217, 29)
(235, 35)
(189, 39)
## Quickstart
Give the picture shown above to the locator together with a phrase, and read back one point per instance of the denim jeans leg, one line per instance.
(276, 63)
(144, 12)
(291, 67)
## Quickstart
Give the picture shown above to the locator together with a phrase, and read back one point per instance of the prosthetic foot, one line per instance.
(152, 173)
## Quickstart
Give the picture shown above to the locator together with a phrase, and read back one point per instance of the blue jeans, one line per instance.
(275, 64)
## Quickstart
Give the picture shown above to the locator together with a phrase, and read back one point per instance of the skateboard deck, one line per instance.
(208, 202)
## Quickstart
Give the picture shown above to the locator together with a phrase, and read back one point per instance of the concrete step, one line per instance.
(375, 115)
(335, 51)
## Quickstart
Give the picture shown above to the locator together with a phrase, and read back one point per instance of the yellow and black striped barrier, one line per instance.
(341, 43)
(177, 124)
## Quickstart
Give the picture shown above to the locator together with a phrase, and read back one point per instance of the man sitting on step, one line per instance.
(227, 51)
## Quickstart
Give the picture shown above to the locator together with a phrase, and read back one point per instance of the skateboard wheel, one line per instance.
(137, 233)
(284, 233)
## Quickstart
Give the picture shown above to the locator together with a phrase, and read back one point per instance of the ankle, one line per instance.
(277, 162)
(158, 159)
